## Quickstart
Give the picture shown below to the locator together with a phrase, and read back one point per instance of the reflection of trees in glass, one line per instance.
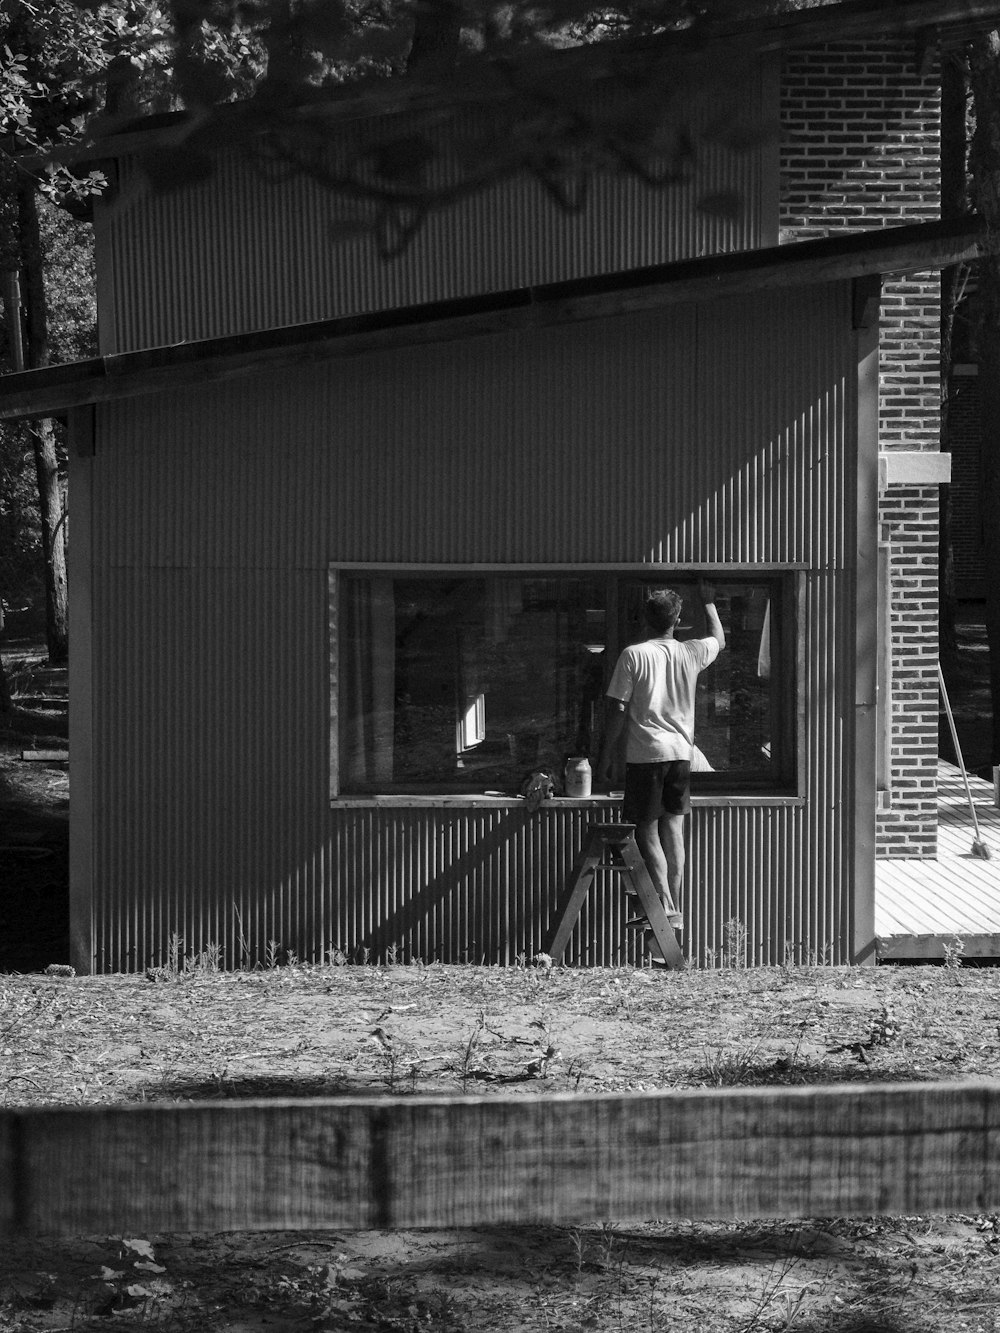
(538, 678)
(429, 614)
(526, 659)
(732, 719)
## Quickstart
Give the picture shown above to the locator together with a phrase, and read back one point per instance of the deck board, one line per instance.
(921, 905)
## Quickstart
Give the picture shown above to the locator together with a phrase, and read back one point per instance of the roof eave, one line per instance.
(57, 389)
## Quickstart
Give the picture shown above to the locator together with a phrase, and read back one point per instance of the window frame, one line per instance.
(787, 789)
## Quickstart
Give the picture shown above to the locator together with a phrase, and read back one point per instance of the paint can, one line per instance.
(578, 776)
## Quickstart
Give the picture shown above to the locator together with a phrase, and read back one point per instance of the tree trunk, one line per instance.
(6, 701)
(984, 72)
(42, 432)
(51, 509)
(437, 33)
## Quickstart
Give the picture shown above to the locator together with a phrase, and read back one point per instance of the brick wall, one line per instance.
(860, 149)
(908, 526)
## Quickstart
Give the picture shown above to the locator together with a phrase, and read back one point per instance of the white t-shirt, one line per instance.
(657, 680)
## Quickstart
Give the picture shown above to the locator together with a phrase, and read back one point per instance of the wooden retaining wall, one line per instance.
(402, 1162)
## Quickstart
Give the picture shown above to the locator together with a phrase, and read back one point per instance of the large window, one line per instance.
(455, 681)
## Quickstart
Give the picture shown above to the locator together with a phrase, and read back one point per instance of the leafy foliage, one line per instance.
(72, 329)
(21, 583)
(50, 59)
(69, 256)
(268, 77)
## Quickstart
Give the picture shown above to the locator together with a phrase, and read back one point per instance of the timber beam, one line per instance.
(401, 1162)
(912, 249)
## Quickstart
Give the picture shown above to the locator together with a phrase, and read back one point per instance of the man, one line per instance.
(651, 696)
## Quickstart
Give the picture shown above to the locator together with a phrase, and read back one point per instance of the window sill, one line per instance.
(471, 801)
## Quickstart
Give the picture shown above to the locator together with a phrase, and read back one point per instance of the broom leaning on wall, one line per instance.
(979, 847)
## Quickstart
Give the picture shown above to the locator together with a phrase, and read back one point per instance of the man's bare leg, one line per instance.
(671, 831)
(661, 844)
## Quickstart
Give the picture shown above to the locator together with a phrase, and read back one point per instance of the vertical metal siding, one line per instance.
(713, 435)
(608, 441)
(241, 252)
(209, 747)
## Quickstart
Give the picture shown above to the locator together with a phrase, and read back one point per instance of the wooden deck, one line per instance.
(920, 906)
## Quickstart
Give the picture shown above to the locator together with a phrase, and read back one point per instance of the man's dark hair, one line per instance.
(663, 609)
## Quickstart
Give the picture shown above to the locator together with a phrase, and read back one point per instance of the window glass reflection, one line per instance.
(469, 683)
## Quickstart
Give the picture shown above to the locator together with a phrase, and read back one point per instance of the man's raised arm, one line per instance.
(715, 631)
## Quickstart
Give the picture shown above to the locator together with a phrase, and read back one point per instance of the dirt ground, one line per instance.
(188, 1032)
(191, 1033)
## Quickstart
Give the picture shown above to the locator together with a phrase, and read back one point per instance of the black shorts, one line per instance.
(652, 790)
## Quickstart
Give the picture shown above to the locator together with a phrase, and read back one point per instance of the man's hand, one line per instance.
(706, 591)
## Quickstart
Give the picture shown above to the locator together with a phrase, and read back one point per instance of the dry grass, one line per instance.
(309, 1030)
(410, 1030)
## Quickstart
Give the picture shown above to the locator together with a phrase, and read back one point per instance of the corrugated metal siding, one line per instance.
(784, 874)
(714, 435)
(242, 252)
(206, 713)
(614, 440)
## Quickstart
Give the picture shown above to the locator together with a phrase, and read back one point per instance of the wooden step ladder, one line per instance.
(613, 847)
